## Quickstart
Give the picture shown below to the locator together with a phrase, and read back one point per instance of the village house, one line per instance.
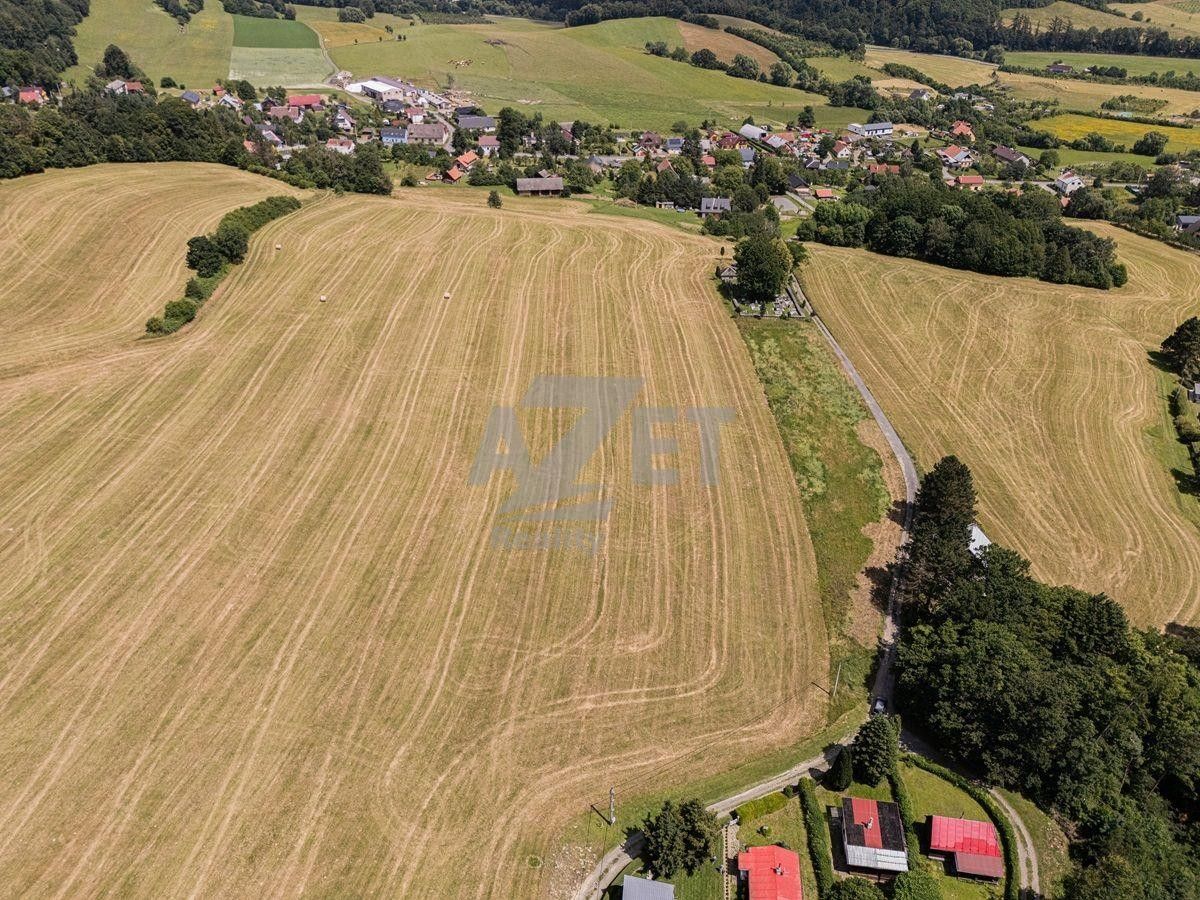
(872, 129)
(635, 888)
(343, 121)
(770, 873)
(191, 98)
(308, 102)
(713, 206)
(292, 114)
(342, 145)
(389, 137)
(873, 835)
(466, 160)
(232, 102)
(477, 123)
(540, 187)
(748, 155)
(971, 848)
(32, 96)
(673, 145)
(433, 134)
(955, 157)
(1060, 69)
(381, 89)
(824, 194)
(650, 141)
(841, 150)
(921, 95)
(121, 87)
(1067, 183)
(969, 182)
(883, 169)
(1011, 157)
(1187, 224)
(454, 174)
(489, 144)
(961, 129)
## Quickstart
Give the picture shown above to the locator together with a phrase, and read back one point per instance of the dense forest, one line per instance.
(35, 39)
(1049, 690)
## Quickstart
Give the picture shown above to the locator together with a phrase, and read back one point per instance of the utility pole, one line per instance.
(612, 805)
(836, 680)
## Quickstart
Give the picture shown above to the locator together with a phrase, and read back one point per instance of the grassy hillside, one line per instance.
(1134, 65)
(253, 616)
(249, 31)
(599, 72)
(197, 56)
(952, 70)
(1047, 393)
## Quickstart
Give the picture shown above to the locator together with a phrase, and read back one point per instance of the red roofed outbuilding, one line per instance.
(973, 847)
(306, 101)
(770, 873)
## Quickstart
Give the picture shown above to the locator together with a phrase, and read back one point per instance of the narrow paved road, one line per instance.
(616, 859)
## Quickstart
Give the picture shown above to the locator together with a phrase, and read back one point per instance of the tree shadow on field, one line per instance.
(880, 579)
(1159, 360)
(1186, 482)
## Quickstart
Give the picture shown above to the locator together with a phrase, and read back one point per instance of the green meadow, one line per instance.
(1134, 65)
(249, 31)
(600, 73)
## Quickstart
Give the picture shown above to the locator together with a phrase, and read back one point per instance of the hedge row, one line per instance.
(1008, 840)
(818, 837)
(212, 255)
(763, 806)
(907, 816)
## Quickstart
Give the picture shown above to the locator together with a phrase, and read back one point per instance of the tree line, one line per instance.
(35, 40)
(994, 233)
(1050, 691)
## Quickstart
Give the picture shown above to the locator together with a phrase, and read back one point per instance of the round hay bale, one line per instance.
(323, 298)
(446, 296)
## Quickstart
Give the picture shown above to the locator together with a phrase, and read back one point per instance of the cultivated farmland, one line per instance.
(1073, 93)
(1047, 393)
(256, 640)
(1070, 126)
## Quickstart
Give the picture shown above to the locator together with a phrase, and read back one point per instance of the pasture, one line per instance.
(599, 73)
(1047, 393)
(196, 57)
(1079, 16)
(250, 31)
(257, 640)
(952, 70)
(1179, 18)
(1071, 126)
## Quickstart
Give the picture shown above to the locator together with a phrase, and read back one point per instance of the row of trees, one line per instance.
(1050, 691)
(990, 232)
(35, 39)
(210, 255)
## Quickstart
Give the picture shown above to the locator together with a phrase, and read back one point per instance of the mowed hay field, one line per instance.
(1047, 393)
(952, 70)
(1073, 93)
(1070, 126)
(255, 639)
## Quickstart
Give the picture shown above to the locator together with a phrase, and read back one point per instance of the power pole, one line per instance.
(612, 805)
(836, 680)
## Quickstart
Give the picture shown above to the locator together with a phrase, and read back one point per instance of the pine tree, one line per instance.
(841, 773)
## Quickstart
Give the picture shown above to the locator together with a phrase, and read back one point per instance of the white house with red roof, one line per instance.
(770, 873)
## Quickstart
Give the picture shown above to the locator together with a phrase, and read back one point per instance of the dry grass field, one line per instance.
(953, 70)
(1089, 95)
(1047, 392)
(255, 640)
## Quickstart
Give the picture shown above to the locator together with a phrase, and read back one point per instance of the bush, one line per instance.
(876, 746)
(232, 239)
(916, 884)
(1188, 427)
(204, 256)
(351, 14)
(907, 816)
(841, 773)
(818, 837)
(154, 325)
(763, 806)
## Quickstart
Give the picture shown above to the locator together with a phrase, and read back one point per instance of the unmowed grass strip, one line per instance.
(213, 256)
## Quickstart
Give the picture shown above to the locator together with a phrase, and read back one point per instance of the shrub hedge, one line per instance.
(818, 837)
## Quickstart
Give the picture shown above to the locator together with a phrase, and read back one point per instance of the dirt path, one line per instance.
(1027, 855)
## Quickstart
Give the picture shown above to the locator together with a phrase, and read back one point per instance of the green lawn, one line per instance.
(195, 57)
(1134, 65)
(933, 796)
(249, 31)
(599, 73)
(264, 66)
(1069, 157)
(785, 826)
(705, 884)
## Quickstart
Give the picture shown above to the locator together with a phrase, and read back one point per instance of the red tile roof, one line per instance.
(305, 100)
(969, 179)
(773, 873)
(866, 813)
(963, 836)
